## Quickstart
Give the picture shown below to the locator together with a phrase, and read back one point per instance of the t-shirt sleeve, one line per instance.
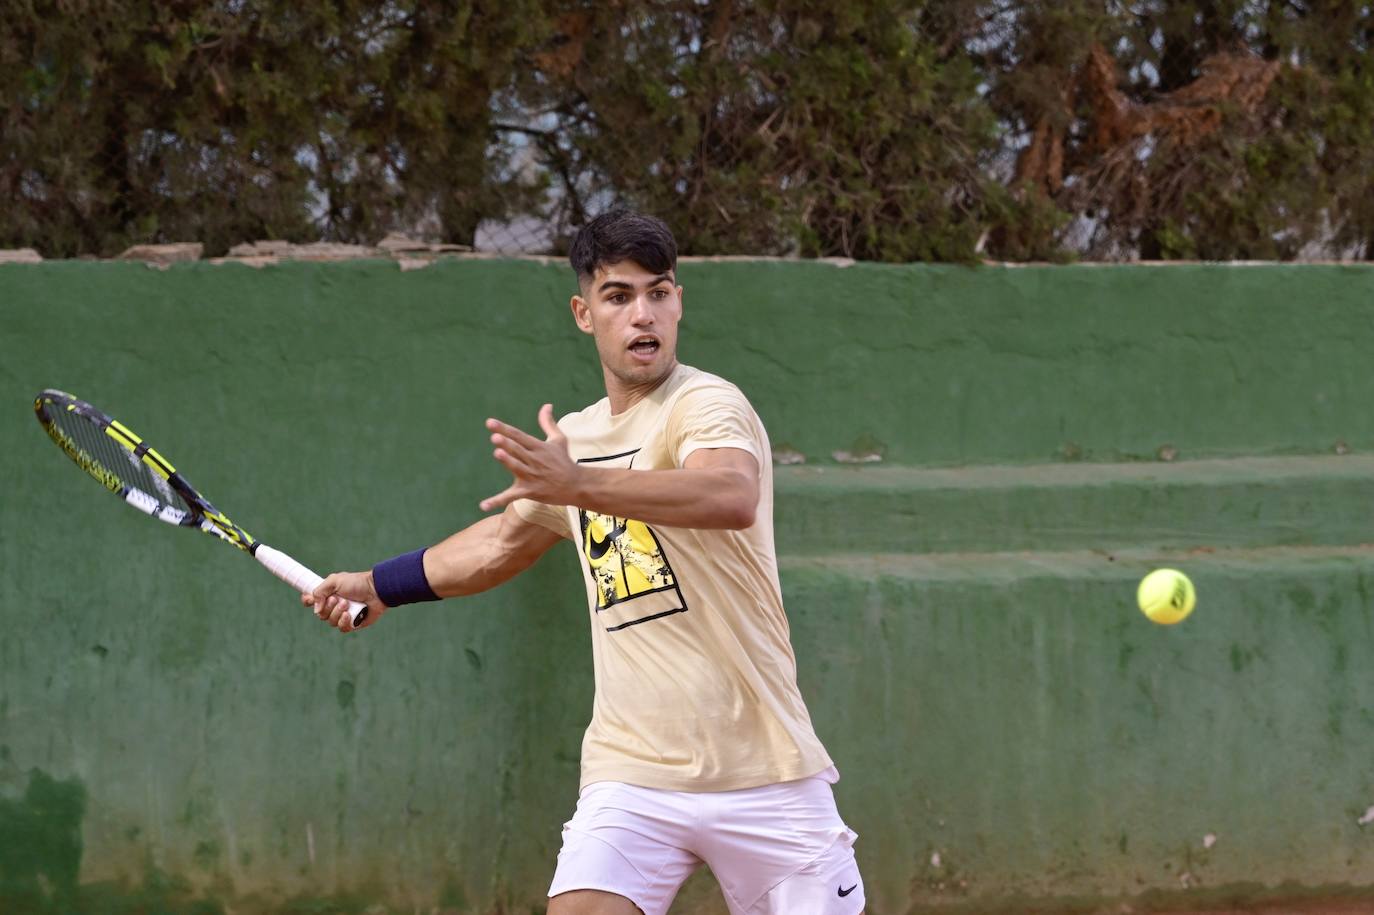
(714, 416)
(554, 517)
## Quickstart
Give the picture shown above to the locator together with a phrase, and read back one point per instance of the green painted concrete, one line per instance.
(177, 735)
(41, 844)
(1021, 719)
(933, 365)
(1236, 502)
(950, 365)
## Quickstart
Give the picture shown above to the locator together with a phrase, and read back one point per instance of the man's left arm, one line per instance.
(716, 488)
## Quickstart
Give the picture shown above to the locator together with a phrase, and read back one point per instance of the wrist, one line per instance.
(401, 580)
(581, 485)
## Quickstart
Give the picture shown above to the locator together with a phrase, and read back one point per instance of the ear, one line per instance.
(582, 314)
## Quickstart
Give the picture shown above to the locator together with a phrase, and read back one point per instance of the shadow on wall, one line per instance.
(40, 846)
(40, 866)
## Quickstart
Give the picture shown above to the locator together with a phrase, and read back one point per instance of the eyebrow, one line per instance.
(620, 284)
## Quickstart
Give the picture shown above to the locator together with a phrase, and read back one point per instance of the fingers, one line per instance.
(521, 437)
(339, 617)
(517, 465)
(319, 598)
(329, 605)
(538, 466)
(328, 609)
(335, 610)
(548, 423)
(501, 499)
(515, 454)
(518, 436)
(510, 452)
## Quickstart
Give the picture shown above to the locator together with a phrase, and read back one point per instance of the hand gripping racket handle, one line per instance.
(300, 578)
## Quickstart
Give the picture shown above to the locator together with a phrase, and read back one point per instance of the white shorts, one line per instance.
(775, 850)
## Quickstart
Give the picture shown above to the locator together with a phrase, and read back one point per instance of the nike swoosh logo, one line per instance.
(844, 892)
(598, 547)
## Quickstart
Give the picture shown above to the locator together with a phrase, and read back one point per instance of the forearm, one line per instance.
(472, 560)
(716, 488)
(716, 498)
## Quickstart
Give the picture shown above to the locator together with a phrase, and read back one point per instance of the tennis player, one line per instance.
(700, 748)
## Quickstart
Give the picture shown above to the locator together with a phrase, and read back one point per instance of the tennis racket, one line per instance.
(125, 465)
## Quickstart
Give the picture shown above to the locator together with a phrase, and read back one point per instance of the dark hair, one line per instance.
(623, 235)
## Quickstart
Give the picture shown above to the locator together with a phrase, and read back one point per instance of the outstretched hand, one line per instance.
(543, 471)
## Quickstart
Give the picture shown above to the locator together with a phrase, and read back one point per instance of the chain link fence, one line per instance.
(519, 235)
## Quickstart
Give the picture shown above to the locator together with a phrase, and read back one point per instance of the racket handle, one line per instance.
(299, 577)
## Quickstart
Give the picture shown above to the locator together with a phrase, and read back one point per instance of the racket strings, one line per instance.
(113, 459)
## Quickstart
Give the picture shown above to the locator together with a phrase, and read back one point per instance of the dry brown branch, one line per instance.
(564, 55)
(1181, 118)
(1041, 163)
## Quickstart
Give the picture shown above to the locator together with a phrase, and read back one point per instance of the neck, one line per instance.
(625, 394)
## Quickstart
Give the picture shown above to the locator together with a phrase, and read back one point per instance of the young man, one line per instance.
(700, 747)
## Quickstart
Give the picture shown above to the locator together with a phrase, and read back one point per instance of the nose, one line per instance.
(641, 314)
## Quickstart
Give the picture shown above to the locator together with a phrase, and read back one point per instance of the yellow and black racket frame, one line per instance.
(51, 402)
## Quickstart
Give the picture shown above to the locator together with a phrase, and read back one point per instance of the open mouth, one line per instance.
(644, 346)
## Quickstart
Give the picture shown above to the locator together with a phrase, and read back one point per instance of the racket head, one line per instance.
(125, 465)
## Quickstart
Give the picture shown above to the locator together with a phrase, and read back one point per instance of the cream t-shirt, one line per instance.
(696, 682)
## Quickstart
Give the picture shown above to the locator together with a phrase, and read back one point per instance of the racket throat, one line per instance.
(227, 530)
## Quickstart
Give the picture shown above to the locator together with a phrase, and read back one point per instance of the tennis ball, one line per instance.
(1166, 596)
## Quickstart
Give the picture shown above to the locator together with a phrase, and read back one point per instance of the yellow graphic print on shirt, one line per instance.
(634, 582)
(633, 579)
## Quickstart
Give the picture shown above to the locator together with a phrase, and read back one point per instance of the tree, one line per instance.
(227, 120)
(825, 128)
(1197, 130)
(876, 129)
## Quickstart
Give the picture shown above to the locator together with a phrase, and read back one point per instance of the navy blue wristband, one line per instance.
(401, 580)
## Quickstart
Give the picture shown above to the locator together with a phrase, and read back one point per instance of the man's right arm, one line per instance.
(481, 556)
(485, 554)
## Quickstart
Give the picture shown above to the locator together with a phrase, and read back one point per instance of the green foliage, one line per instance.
(820, 128)
(1235, 166)
(877, 129)
(228, 120)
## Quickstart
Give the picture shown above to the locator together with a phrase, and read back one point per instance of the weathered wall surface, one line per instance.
(175, 731)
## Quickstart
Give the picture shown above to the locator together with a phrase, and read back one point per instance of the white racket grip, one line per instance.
(299, 577)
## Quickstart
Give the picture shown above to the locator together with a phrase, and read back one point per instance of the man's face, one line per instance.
(633, 314)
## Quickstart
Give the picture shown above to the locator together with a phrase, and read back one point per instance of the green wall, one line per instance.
(176, 732)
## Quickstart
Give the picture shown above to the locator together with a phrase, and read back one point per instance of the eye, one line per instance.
(660, 293)
(618, 298)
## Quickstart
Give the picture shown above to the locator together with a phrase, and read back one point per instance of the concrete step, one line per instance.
(1006, 714)
(1239, 502)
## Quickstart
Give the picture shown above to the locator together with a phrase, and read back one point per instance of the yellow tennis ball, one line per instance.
(1166, 596)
